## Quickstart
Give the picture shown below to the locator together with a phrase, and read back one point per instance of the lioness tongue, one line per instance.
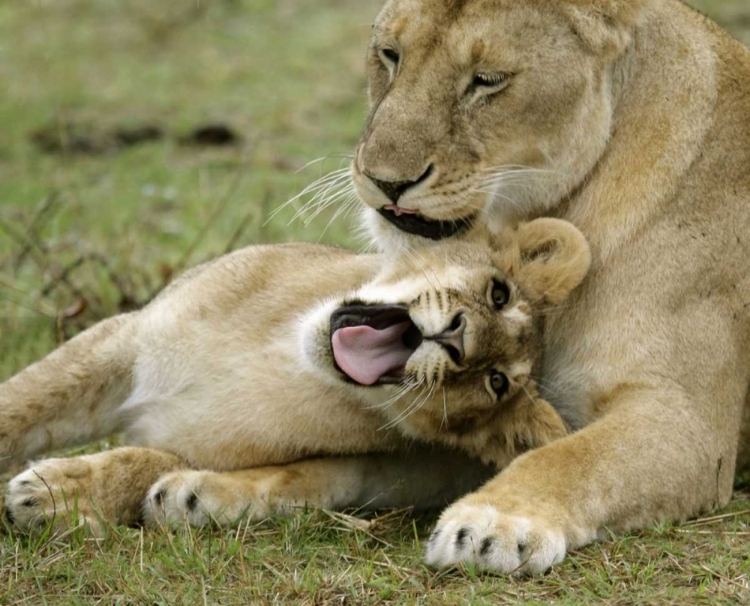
(366, 354)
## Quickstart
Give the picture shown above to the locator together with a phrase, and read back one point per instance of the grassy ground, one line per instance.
(90, 225)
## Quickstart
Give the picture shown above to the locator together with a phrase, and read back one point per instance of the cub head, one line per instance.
(452, 333)
(485, 110)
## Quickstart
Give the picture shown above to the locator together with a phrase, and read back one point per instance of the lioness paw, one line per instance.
(196, 497)
(493, 541)
(52, 491)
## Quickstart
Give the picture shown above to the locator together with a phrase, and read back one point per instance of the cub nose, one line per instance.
(395, 189)
(452, 338)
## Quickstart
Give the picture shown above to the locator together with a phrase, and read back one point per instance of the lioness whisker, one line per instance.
(345, 206)
(317, 184)
(322, 198)
(325, 199)
(340, 174)
(314, 208)
(343, 156)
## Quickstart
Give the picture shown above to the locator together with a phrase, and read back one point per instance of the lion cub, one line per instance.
(295, 374)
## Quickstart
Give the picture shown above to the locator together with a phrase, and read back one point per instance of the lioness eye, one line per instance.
(488, 84)
(499, 294)
(389, 56)
(499, 383)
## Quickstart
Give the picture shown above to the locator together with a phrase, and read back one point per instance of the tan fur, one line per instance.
(225, 386)
(632, 120)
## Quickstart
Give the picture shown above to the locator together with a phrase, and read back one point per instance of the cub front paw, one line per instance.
(198, 498)
(482, 535)
(52, 491)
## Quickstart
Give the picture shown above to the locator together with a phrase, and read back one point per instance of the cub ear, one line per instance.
(605, 26)
(550, 258)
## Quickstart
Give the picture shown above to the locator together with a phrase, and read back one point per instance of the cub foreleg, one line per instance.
(90, 489)
(422, 478)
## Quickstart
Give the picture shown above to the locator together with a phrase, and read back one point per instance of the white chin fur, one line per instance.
(382, 236)
(314, 339)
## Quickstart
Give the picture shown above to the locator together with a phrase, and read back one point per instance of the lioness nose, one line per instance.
(395, 189)
(452, 338)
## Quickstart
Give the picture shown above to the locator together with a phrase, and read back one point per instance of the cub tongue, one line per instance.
(366, 354)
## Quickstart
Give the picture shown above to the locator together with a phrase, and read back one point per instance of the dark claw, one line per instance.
(192, 501)
(486, 546)
(461, 535)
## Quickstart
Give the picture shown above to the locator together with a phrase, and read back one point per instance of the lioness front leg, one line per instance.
(653, 457)
(107, 486)
(423, 478)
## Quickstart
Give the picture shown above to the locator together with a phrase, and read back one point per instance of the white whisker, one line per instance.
(419, 401)
(340, 174)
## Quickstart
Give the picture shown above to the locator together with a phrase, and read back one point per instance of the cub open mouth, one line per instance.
(371, 344)
(434, 229)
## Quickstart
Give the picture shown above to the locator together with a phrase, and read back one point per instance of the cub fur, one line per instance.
(259, 365)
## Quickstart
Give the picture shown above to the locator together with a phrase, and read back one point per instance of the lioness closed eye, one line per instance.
(251, 365)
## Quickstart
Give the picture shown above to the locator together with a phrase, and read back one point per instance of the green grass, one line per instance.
(288, 77)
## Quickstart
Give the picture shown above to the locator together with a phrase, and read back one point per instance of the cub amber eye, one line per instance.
(500, 294)
(499, 383)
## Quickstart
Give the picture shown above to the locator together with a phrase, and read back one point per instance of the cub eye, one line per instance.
(499, 383)
(489, 83)
(500, 294)
(389, 57)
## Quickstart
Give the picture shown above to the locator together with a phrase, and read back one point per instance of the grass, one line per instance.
(84, 234)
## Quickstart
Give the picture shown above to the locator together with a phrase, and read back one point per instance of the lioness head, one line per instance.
(453, 331)
(485, 109)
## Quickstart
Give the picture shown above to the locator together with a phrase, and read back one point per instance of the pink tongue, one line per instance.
(366, 354)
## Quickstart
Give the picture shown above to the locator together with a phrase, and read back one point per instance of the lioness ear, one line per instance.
(551, 258)
(604, 26)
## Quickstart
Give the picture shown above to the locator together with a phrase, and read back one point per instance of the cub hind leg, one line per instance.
(89, 489)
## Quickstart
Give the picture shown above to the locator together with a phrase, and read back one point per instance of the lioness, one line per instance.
(631, 119)
(275, 354)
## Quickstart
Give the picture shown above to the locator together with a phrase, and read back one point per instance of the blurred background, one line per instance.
(142, 137)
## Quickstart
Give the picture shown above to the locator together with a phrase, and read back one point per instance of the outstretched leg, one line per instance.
(109, 486)
(422, 478)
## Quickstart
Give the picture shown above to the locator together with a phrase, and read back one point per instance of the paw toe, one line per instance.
(174, 499)
(483, 536)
